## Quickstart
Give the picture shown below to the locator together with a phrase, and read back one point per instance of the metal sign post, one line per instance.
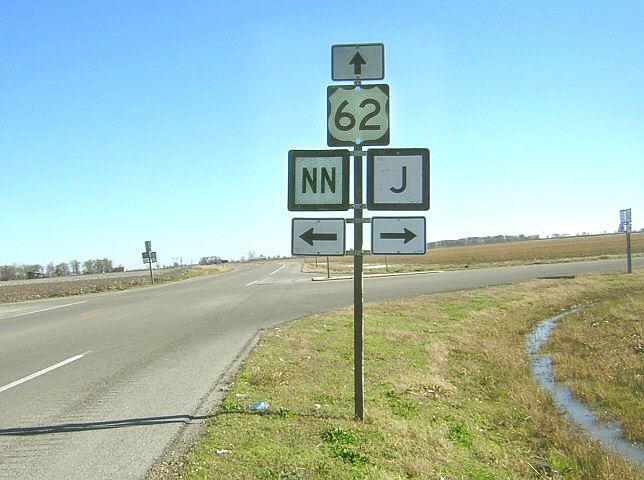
(625, 226)
(358, 296)
(149, 257)
(397, 179)
(629, 265)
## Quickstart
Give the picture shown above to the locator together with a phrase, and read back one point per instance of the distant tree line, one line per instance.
(482, 240)
(214, 260)
(73, 267)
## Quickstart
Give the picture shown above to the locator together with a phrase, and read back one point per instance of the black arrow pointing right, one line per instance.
(407, 236)
(309, 237)
(357, 61)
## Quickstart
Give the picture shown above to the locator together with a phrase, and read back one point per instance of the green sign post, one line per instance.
(149, 257)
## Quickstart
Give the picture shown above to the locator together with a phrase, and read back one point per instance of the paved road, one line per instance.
(121, 374)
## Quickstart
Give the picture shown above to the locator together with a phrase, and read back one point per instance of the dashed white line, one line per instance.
(42, 372)
(45, 309)
(278, 269)
(251, 283)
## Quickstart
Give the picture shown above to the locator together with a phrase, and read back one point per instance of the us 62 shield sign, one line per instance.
(358, 115)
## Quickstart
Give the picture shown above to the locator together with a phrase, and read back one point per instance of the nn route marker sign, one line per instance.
(318, 236)
(318, 180)
(365, 61)
(357, 115)
(398, 179)
(398, 236)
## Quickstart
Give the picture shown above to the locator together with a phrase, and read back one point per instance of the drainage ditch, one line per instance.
(608, 433)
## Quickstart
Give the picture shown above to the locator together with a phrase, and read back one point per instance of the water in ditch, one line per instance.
(608, 433)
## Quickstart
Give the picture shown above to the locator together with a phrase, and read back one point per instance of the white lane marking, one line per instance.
(249, 284)
(45, 309)
(43, 371)
(278, 270)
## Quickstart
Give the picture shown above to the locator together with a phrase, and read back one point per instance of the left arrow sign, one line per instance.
(318, 236)
(310, 237)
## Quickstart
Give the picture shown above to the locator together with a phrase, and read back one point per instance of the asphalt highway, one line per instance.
(98, 386)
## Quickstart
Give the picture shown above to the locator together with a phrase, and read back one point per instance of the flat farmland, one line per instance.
(23, 290)
(567, 249)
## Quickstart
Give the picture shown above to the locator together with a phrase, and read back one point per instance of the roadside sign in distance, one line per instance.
(358, 115)
(318, 236)
(398, 236)
(148, 245)
(358, 61)
(318, 180)
(625, 215)
(398, 179)
(153, 257)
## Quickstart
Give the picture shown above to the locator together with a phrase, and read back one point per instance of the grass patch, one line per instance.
(448, 394)
(599, 352)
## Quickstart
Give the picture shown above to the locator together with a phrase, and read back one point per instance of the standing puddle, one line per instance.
(608, 434)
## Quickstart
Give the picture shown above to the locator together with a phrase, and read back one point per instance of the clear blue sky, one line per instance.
(171, 121)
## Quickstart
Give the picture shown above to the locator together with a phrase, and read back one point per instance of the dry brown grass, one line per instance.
(599, 352)
(533, 251)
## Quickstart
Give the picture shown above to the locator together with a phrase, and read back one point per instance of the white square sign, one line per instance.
(358, 61)
(398, 179)
(398, 236)
(318, 180)
(318, 236)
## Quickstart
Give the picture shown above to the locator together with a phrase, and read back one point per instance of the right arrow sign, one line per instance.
(398, 236)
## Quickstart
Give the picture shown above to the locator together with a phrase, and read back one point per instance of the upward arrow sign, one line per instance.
(357, 61)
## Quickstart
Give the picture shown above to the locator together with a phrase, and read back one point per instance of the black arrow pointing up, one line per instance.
(309, 237)
(357, 61)
(407, 236)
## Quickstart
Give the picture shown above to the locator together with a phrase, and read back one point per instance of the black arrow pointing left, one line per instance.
(407, 236)
(357, 61)
(309, 237)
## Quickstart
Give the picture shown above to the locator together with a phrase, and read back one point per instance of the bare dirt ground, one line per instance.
(21, 290)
